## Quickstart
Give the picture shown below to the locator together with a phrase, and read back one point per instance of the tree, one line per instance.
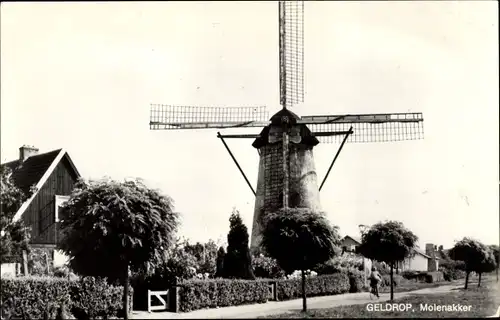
(488, 264)
(237, 261)
(110, 228)
(298, 239)
(388, 242)
(494, 248)
(14, 236)
(476, 256)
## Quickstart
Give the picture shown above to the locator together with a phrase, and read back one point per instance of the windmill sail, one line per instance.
(367, 127)
(169, 117)
(291, 44)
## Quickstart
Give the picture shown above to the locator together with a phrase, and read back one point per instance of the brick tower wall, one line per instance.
(303, 185)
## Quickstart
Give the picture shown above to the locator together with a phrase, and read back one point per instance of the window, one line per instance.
(58, 202)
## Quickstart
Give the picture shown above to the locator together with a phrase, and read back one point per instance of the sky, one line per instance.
(82, 76)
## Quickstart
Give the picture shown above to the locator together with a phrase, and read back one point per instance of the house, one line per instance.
(418, 261)
(350, 244)
(54, 175)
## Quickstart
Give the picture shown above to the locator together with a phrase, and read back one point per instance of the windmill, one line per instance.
(287, 175)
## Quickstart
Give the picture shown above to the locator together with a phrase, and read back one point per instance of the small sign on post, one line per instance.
(158, 294)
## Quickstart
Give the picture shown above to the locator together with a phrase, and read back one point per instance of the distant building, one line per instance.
(350, 244)
(54, 176)
(419, 261)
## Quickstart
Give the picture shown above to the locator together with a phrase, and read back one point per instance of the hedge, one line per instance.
(45, 297)
(315, 286)
(424, 276)
(199, 294)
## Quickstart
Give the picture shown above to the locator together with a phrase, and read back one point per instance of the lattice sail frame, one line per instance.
(170, 117)
(291, 44)
(367, 127)
(328, 129)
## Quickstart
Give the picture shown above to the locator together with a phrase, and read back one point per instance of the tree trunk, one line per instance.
(125, 293)
(392, 281)
(304, 302)
(466, 279)
(479, 280)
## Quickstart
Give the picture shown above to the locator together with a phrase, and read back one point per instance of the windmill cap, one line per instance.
(280, 116)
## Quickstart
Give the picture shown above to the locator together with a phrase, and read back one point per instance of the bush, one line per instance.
(340, 264)
(199, 294)
(64, 272)
(386, 280)
(452, 274)
(37, 261)
(39, 297)
(266, 267)
(356, 281)
(452, 270)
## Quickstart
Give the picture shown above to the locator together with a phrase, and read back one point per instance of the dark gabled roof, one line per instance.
(356, 239)
(29, 172)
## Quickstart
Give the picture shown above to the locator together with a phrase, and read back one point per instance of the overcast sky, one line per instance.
(81, 76)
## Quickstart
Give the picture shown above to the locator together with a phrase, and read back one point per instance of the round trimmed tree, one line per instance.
(388, 242)
(298, 239)
(476, 256)
(110, 228)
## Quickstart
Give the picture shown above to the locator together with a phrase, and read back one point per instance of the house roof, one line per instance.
(28, 173)
(356, 239)
(35, 171)
(417, 250)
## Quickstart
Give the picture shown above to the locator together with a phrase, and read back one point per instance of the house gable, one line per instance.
(40, 212)
(350, 244)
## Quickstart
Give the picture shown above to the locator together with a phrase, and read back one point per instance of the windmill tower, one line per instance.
(287, 176)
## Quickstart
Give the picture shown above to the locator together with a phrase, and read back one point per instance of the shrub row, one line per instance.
(46, 297)
(424, 276)
(315, 286)
(199, 294)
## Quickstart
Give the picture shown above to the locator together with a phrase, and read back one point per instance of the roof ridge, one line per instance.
(33, 156)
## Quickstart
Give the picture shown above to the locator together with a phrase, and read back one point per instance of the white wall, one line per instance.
(415, 263)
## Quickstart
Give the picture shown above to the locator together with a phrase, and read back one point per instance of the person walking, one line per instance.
(375, 279)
